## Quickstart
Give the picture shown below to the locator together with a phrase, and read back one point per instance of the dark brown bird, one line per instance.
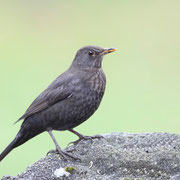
(68, 101)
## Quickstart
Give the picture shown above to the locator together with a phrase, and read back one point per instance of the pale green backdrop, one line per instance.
(38, 40)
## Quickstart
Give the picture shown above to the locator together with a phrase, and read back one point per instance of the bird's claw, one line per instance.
(86, 138)
(63, 154)
(51, 152)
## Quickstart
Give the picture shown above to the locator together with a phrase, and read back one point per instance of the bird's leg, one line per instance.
(82, 137)
(58, 149)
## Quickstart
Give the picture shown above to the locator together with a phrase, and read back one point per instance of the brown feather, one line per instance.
(41, 103)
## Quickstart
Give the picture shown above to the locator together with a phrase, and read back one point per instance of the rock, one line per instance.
(147, 156)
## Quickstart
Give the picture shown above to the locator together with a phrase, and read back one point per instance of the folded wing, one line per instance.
(53, 94)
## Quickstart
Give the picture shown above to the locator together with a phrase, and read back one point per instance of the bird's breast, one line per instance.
(84, 101)
(89, 93)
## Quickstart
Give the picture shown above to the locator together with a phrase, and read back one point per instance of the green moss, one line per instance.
(69, 169)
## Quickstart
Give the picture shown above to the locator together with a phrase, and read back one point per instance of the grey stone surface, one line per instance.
(147, 156)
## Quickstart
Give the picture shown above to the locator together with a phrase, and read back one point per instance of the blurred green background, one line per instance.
(38, 41)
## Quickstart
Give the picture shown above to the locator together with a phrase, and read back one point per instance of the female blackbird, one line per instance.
(68, 101)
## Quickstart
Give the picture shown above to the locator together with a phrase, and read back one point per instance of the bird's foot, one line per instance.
(63, 154)
(82, 137)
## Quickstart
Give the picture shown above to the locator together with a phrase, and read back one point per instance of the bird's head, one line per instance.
(90, 56)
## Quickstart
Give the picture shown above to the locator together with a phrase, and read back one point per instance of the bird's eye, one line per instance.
(91, 53)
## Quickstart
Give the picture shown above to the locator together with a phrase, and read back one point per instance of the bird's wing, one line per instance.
(53, 94)
(41, 103)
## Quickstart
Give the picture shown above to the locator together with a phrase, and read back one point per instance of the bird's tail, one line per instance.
(22, 136)
(9, 148)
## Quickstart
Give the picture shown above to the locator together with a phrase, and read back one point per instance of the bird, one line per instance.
(67, 102)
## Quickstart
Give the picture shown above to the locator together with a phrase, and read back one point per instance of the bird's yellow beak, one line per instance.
(108, 50)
